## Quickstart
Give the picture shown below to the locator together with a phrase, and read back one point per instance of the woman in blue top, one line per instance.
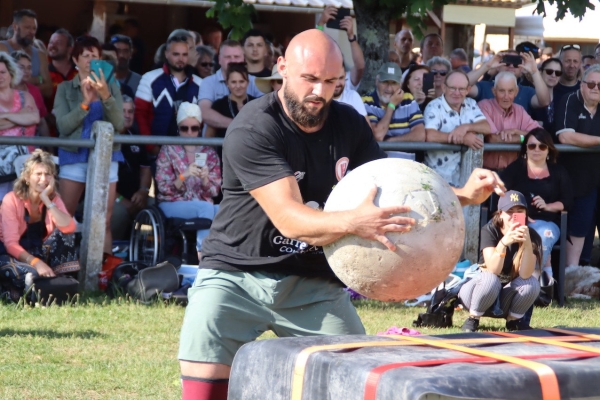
(78, 104)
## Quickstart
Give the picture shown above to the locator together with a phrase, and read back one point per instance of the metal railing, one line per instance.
(96, 195)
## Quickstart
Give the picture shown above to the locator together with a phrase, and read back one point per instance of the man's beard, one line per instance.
(23, 41)
(300, 114)
(174, 67)
(383, 98)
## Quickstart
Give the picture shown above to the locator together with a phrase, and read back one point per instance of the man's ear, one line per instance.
(281, 66)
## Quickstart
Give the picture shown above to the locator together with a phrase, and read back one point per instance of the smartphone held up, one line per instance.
(519, 218)
(201, 159)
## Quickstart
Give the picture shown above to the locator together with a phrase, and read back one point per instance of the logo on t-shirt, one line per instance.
(299, 175)
(341, 166)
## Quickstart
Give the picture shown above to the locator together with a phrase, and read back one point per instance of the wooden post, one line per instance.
(96, 201)
(511, 38)
(470, 160)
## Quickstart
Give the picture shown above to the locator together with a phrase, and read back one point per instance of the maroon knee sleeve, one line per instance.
(203, 389)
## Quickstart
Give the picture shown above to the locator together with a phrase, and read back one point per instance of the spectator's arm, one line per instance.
(61, 217)
(144, 108)
(45, 83)
(210, 131)
(476, 74)
(358, 58)
(381, 125)
(113, 108)
(542, 94)
(416, 134)
(578, 139)
(67, 120)
(29, 114)
(11, 227)
(6, 124)
(435, 136)
(214, 173)
(211, 117)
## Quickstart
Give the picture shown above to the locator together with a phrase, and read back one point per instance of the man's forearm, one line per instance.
(216, 119)
(480, 127)
(381, 128)
(476, 74)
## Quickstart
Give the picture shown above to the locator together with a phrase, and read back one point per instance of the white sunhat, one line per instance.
(188, 110)
(264, 84)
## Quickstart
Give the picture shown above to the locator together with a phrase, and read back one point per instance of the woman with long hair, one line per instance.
(509, 252)
(545, 184)
(35, 226)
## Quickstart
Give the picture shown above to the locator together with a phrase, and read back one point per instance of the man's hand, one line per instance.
(347, 25)
(481, 184)
(494, 62)
(43, 269)
(457, 135)
(397, 97)
(329, 13)
(507, 134)
(529, 65)
(371, 222)
(473, 141)
(139, 199)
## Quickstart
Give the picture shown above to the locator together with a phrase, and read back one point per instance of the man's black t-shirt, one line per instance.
(491, 236)
(263, 145)
(583, 168)
(264, 73)
(129, 171)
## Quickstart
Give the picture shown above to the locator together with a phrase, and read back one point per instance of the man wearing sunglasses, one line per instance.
(124, 75)
(509, 122)
(578, 123)
(570, 56)
(527, 97)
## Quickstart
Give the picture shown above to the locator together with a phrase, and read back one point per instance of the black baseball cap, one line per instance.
(511, 199)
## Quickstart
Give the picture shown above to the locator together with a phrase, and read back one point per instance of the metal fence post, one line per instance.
(96, 201)
(470, 160)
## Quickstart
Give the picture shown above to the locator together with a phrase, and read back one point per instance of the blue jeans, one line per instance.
(191, 209)
(550, 234)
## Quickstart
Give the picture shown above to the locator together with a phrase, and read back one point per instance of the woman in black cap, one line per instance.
(509, 253)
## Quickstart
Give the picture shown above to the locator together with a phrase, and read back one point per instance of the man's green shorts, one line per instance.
(228, 309)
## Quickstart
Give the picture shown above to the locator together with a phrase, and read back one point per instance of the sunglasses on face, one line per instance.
(591, 85)
(550, 71)
(207, 64)
(541, 146)
(438, 72)
(184, 128)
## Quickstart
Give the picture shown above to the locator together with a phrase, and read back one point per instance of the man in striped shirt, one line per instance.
(394, 115)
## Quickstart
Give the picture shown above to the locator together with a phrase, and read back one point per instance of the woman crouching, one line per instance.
(35, 227)
(509, 251)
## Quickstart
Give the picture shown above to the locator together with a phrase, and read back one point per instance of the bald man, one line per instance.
(403, 42)
(262, 264)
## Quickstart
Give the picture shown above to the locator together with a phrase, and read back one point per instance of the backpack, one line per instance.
(17, 280)
(441, 309)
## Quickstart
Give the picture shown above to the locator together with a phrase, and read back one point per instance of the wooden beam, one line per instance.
(511, 38)
(436, 20)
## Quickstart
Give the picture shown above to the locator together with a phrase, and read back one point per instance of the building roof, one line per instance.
(495, 3)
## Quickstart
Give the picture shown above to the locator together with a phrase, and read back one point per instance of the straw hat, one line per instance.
(264, 84)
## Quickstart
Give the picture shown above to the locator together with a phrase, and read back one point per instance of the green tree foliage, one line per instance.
(236, 14)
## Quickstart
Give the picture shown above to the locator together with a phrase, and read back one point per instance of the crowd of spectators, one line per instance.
(522, 95)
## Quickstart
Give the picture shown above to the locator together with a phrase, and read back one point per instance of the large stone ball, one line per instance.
(424, 256)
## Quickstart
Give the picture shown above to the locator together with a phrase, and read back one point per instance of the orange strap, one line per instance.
(375, 374)
(548, 381)
(552, 342)
(590, 336)
(303, 356)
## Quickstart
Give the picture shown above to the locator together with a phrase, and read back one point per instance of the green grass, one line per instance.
(98, 349)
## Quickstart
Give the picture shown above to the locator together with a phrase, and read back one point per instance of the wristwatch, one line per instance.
(353, 39)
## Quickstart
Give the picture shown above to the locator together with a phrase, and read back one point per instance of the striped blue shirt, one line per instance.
(406, 116)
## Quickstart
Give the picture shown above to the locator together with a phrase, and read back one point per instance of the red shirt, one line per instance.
(57, 78)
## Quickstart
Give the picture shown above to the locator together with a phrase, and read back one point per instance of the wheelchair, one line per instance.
(154, 237)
